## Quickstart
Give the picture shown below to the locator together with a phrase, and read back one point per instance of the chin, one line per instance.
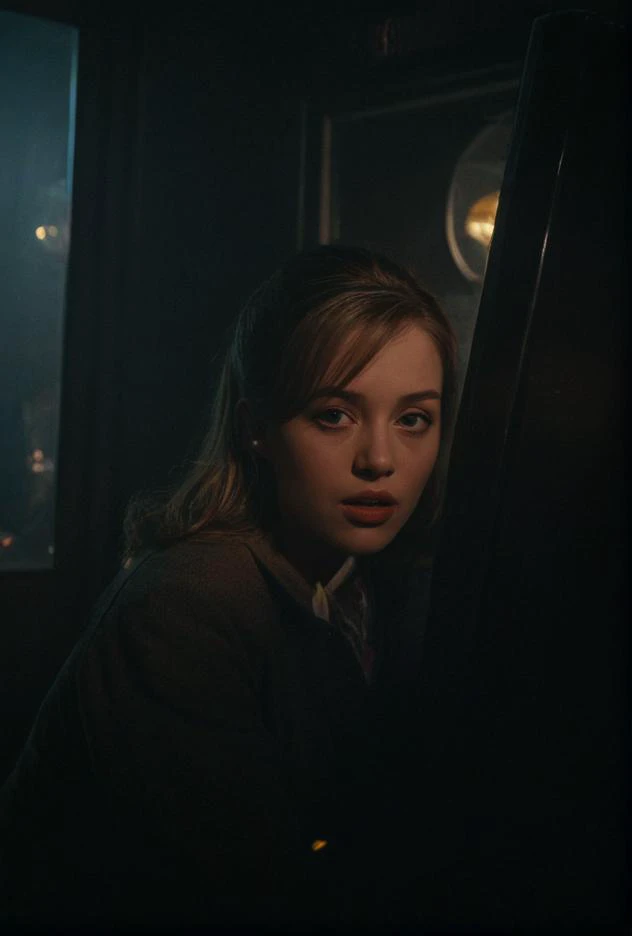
(365, 545)
(369, 549)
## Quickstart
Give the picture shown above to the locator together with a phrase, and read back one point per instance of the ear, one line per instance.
(248, 430)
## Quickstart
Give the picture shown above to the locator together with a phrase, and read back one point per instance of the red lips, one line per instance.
(363, 515)
(383, 498)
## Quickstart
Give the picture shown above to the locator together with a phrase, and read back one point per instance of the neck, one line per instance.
(313, 564)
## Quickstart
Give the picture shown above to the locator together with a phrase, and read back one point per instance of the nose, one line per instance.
(373, 456)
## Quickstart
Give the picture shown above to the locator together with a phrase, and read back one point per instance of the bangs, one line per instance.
(333, 345)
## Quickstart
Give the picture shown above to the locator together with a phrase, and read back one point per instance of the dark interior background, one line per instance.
(195, 173)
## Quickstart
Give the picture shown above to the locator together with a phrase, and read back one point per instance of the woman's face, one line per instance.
(379, 439)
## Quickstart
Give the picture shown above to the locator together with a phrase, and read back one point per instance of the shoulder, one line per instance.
(214, 568)
(176, 650)
(195, 592)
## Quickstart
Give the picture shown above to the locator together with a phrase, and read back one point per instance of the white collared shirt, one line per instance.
(320, 599)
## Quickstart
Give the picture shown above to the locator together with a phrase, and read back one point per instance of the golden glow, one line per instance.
(481, 217)
(40, 232)
(6, 541)
(318, 844)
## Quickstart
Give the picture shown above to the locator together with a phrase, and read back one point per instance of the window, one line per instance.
(38, 67)
(419, 179)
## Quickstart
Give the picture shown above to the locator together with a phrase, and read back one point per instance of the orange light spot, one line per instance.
(318, 844)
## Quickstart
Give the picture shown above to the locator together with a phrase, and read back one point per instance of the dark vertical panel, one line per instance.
(523, 717)
(101, 270)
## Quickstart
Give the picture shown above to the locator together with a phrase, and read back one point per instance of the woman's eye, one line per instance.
(423, 420)
(325, 413)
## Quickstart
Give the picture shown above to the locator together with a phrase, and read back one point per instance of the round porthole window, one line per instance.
(473, 197)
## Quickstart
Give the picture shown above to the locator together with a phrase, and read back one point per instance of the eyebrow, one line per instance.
(359, 397)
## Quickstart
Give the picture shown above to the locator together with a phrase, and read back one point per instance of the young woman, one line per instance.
(222, 743)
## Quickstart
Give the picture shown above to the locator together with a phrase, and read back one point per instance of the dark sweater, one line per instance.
(210, 751)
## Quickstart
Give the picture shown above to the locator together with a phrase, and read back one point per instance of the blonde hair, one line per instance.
(277, 352)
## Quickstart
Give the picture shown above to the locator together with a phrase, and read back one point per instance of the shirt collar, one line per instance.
(312, 599)
(320, 598)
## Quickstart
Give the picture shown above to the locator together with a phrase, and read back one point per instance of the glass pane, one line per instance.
(38, 68)
(420, 182)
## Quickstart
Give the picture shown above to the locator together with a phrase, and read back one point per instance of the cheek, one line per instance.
(427, 465)
(304, 466)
